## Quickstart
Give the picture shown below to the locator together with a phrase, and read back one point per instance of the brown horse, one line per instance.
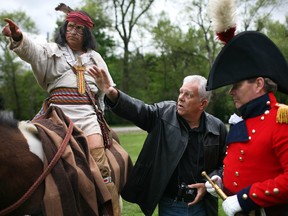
(19, 168)
(21, 159)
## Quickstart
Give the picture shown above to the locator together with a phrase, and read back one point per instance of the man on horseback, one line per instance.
(61, 68)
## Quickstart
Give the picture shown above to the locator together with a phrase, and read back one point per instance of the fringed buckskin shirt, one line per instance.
(49, 62)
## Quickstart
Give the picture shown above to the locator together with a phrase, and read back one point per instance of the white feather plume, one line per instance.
(222, 14)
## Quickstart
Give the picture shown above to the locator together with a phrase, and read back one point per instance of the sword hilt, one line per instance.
(218, 190)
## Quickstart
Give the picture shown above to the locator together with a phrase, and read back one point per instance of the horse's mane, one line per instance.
(8, 120)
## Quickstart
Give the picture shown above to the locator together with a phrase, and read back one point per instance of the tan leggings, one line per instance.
(95, 141)
(97, 150)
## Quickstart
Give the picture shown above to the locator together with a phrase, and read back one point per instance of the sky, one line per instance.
(43, 12)
(44, 15)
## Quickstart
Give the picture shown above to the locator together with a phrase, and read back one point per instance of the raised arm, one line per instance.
(12, 30)
(103, 83)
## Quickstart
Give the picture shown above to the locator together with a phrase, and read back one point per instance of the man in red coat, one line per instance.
(255, 175)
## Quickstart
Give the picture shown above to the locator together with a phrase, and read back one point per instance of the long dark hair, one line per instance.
(89, 41)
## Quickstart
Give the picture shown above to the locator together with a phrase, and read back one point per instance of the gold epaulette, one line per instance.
(282, 114)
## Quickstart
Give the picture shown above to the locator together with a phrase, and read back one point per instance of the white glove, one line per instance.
(231, 205)
(217, 179)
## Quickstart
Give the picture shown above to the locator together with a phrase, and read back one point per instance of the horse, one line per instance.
(22, 159)
(20, 167)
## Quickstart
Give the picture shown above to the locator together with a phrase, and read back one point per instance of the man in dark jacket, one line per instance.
(182, 141)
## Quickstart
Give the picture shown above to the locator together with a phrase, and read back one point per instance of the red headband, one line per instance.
(80, 18)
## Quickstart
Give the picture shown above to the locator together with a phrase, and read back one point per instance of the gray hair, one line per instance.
(201, 81)
(269, 85)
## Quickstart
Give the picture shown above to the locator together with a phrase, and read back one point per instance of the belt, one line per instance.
(68, 96)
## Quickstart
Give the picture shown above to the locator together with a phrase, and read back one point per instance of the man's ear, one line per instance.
(260, 82)
(204, 103)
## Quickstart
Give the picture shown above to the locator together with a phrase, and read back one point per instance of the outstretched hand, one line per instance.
(100, 77)
(103, 82)
(11, 29)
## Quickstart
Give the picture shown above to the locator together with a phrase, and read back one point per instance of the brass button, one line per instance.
(254, 195)
(249, 137)
(268, 103)
(235, 184)
(276, 191)
(244, 196)
(253, 131)
(267, 193)
(240, 158)
(262, 118)
(242, 152)
(236, 173)
(267, 112)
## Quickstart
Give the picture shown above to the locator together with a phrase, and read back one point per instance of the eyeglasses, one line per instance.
(78, 28)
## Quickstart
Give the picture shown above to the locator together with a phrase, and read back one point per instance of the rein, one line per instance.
(50, 166)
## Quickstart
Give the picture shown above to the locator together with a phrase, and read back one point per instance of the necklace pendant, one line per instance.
(80, 69)
(81, 82)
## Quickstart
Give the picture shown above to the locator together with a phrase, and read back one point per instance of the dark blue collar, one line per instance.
(256, 107)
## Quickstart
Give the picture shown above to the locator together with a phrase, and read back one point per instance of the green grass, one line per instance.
(133, 142)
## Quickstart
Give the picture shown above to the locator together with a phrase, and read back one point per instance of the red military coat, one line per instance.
(257, 169)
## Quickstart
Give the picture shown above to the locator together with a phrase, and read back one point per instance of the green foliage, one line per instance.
(22, 19)
(12, 70)
(27, 99)
(278, 33)
(102, 22)
(221, 104)
(153, 76)
(132, 143)
(32, 102)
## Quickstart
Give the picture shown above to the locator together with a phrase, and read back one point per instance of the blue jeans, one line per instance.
(170, 207)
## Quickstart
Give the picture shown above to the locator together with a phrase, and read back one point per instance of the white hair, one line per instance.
(202, 82)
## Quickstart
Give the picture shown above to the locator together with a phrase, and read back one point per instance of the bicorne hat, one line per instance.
(249, 54)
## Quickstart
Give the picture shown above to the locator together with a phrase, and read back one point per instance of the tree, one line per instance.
(180, 54)
(127, 14)
(102, 22)
(199, 17)
(254, 13)
(278, 32)
(11, 67)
